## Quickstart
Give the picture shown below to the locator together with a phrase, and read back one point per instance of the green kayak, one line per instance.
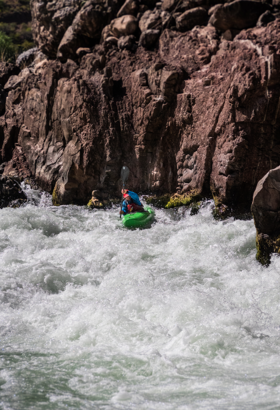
(139, 219)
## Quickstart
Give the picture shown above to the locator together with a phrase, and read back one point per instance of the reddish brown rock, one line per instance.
(6, 71)
(150, 20)
(124, 26)
(182, 5)
(148, 38)
(239, 14)
(127, 43)
(266, 203)
(69, 24)
(192, 18)
(129, 7)
(266, 212)
(50, 20)
(197, 114)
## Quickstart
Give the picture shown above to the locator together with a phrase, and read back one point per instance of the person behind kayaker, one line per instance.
(131, 203)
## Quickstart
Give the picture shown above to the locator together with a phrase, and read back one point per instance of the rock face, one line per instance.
(266, 211)
(189, 112)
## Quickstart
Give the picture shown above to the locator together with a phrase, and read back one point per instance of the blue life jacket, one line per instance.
(134, 200)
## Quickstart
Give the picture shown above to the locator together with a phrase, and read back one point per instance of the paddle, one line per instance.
(124, 177)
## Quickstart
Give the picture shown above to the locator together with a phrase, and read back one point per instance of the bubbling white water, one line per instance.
(95, 316)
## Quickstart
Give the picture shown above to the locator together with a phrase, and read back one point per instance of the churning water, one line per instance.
(94, 316)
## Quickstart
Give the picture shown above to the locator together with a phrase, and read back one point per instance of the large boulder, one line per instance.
(191, 18)
(11, 193)
(266, 203)
(239, 14)
(266, 212)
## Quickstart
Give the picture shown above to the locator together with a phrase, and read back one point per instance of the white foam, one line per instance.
(179, 316)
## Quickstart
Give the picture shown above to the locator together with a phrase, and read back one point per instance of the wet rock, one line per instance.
(266, 203)
(96, 200)
(239, 14)
(191, 18)
(266, 212)
(11, 193)
(148, 38)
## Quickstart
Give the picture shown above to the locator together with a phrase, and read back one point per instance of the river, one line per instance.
(94, 316)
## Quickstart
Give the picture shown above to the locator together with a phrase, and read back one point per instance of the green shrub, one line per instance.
(3, 5)
(7, 49)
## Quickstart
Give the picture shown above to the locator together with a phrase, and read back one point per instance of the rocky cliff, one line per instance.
(183, 92)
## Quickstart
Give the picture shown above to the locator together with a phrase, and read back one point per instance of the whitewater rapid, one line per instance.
(95, 316)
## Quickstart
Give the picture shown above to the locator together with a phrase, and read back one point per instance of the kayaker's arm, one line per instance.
(124, 209)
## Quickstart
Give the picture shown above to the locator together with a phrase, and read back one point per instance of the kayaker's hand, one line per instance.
(124, 191)
(121, 212)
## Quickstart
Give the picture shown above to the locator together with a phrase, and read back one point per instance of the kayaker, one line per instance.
(131, 202)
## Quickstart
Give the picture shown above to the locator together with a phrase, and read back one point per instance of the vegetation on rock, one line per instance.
(266, 245)
(167, 201)
(55, 200)
(7, 49)
(15, 28)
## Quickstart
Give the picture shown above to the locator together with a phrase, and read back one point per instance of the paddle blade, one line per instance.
(124, 174)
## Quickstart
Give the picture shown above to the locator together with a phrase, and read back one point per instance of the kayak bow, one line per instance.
(139, 219)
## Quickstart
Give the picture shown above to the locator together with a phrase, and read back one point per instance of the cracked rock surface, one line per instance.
(193, 109)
